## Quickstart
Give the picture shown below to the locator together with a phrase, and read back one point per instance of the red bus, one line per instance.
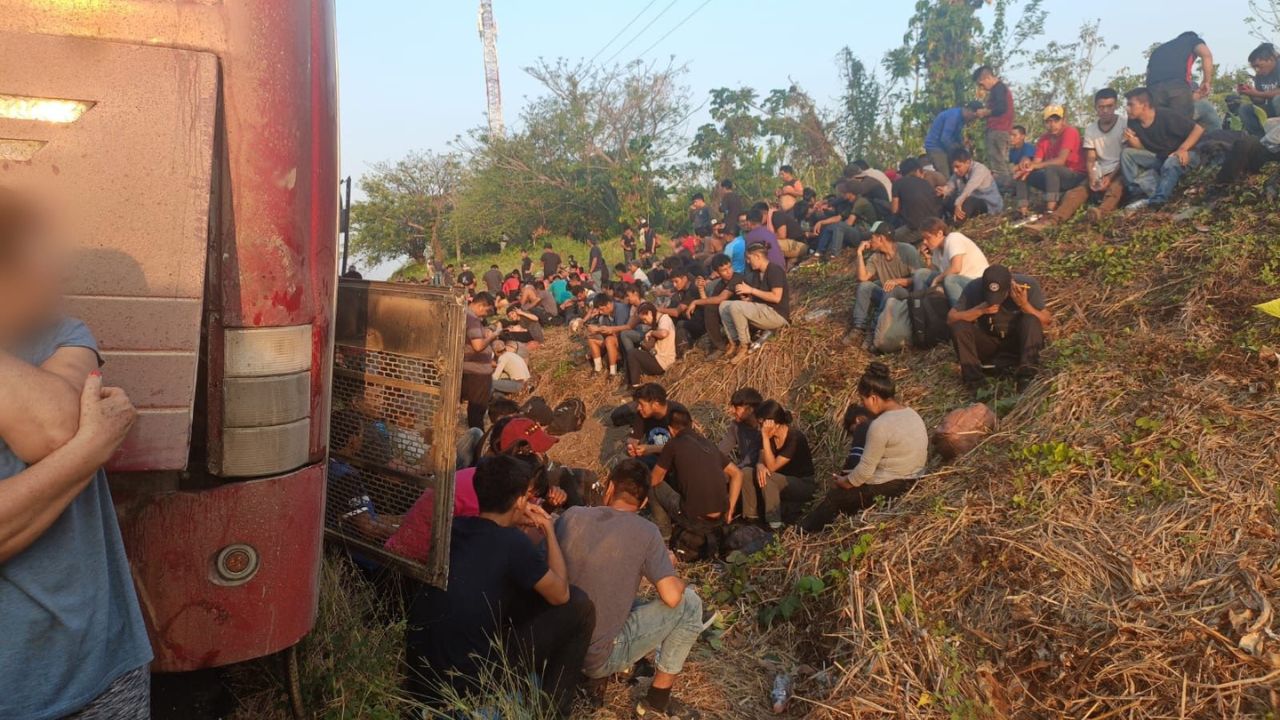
(196, 143)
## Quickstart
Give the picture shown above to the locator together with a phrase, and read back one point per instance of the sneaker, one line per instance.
(593, 691)
(1023, 377)
(715, 354)
(1137, 205)
(853, 337)
(709, 618)
(869, 342)
(676, 710)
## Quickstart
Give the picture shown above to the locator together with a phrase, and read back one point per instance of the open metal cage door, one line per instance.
(396, 377)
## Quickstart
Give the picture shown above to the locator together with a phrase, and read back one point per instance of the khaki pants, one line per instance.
(792, 249)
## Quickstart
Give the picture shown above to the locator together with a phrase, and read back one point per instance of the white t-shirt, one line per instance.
(511, 367)
(973, 262)
(1107, 145)
(665, 349)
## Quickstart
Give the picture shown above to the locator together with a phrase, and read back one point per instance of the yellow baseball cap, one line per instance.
(1051, 110)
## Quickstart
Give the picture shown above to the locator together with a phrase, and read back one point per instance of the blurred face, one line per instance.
(786, 176)
(647, 318)
(725, 271)
(987, 81)
(961, 167)
(1135, 107)
(1054, 125)
(881, 243)
(740, 413)
(934, 240)
(31, 275)
(680, 281)
(758, 261)
(1106, 109)
(649, 408)
(742, 221)
(1017, 138)
(1263, 66)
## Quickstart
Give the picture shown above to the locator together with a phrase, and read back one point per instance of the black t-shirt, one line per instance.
(1166, 134)
(466, 278)
(526, 265)
(628, 242)
(999, 324)
(772, 278)
(917, 200)
(650, 238)
(731, 208)
(1172, 60)
(786, 218)
(719, 285)
(493, 281)
(857, 443)
(641, 427)
(696, 467)
(796, 450)
(594, 257)
(492, 571)
(998, 99)
(550, 264)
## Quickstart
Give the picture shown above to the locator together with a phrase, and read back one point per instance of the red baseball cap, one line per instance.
(518, 429)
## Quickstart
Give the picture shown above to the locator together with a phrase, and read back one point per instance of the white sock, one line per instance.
(613, 369)
(598, 363)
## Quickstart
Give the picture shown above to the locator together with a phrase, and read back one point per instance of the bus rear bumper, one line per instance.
(229, 573)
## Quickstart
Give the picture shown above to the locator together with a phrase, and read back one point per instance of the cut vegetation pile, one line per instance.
(1111, 551)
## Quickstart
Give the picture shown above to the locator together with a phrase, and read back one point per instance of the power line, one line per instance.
(679, 25)
(614, 39)
(642, 31)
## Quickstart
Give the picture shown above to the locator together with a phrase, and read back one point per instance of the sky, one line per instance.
(411, 72)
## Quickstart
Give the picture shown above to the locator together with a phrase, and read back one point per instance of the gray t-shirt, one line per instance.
(884, 268)
(607, 552)
(69, 615)
(897, 447)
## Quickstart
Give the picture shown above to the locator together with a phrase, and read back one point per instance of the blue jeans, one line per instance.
(836, 237)
(671, 631)
(1144, 174)
(952, 285)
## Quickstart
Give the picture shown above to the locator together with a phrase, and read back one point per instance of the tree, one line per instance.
(859, 125)
(406, 204)
(1065, 74)
(799, 135)
(731, 145)
(1264, 18)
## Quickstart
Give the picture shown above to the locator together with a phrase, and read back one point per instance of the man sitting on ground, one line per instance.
(758, 233)
(1103, 145)
(1161, 148)
(703, 312)
(887, 273)
(999, 320)
(1058, 167)
(602, 334)
(609, 551)
(787, 227)
(954, 259)
(742, 440)
(972, 189)
(651, 428)
(705, 487)
(765, 304)
(511, 374)
(915, 200)
(1019, 148)
(658, 351)
(501, 590)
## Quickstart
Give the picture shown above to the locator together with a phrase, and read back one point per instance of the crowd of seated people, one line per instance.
(676, 495)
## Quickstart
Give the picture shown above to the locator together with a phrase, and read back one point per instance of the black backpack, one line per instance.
(928, 312)
(537, 410)
(567, 417)
(623, 416)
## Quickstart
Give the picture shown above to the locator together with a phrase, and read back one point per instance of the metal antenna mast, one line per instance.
(492, 86)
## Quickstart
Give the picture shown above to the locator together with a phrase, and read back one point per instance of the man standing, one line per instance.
(999, 319)
(972, 189)
(550, 263)
(765, 304)
(730, 207)
(1169, 75)
(887, 272)
(700, 214)
(999, 116)
(596, 265)
(628, 245)
(946, 134)
(526, 266)
(493, 280)
(648, 239)
(477, 359)
(608, 551)
(1103, 146)
(1161, 148)
(1058, 166)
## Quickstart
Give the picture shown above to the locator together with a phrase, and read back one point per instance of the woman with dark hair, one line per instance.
(784, 471)
(893, 455)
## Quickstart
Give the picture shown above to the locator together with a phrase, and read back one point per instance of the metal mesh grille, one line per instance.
(391, 433)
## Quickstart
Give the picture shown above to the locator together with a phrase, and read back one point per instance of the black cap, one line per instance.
(995, 284)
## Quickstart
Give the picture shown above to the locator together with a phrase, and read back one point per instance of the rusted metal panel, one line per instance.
(135, 171)
(395, 392)
(196, 618)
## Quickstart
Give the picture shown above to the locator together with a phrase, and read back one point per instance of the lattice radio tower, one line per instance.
(492, 85)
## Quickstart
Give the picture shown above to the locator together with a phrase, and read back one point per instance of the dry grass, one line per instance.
(1110, 552)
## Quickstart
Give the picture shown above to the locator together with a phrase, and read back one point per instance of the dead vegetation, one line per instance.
(1110, 552)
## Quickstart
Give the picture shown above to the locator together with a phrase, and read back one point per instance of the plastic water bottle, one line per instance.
(780, 696)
